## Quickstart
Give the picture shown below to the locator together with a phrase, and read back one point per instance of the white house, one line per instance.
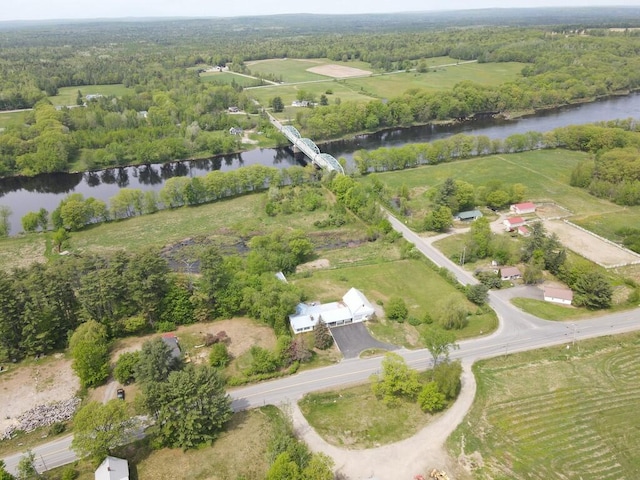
(558, 295)
(514, 222)
(510, 273)
(113, 468)
(353, 308)
(523, 208)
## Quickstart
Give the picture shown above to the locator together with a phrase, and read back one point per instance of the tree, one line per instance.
(320, 467)
(396, 309)
(26, 469)
(98, 428)
(59, 237)
(447, 377)
(125, 369)
(439, 219)
(439, 342)
(4, 475)
(481, 238)
(593, 291)
(477, 293)
(277, 104)
(5, 225)
(89, 348)
(219, 356)
(191, 407)
(156, 362)
(397, 380)
(283, 468)
(431, 399)
(30, 222)
(452, 313)
(322, 337)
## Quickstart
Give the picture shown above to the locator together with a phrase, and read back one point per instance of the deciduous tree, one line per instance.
(439, 342)
(89, 347)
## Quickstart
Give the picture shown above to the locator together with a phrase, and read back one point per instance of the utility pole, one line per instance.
(464, 252)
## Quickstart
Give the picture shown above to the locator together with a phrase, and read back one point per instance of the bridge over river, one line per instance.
(305, 145)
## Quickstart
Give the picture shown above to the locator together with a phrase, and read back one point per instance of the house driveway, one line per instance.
(352, 339)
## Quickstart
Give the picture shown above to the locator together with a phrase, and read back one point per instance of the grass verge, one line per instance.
(550, 311)
(355, 418)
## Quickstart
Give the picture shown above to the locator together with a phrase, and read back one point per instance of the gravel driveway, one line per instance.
(354, 338)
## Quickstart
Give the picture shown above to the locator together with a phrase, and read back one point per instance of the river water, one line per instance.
(25, 195)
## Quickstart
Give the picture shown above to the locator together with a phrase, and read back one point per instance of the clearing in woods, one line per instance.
(557, 412)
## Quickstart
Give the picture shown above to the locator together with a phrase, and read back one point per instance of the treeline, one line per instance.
(593, 138)
(75, 212)
(135, 293)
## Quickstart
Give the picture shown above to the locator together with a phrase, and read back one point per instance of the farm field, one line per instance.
(444, 78)
(607, 225)
(228, 78)
(293, 70)
(545, 173)
(557, 412)
(67, 95)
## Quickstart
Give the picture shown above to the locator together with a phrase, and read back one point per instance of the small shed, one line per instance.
(514, 222)
(563, 296)
(510, 273)
(468, 215)
(524, 231)
(236, 131)
(523, 208)
(112, 468)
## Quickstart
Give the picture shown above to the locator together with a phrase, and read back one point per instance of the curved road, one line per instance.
(518, 331)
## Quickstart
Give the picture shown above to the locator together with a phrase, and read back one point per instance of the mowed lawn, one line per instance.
(67, 95)
(545, 173)
(443, 78)
(228, 78)
(12, 118)
(557, 413)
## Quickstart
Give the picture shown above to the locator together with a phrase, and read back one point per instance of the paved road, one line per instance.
(518, 331)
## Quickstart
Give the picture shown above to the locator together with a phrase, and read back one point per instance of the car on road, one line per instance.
(120, 393)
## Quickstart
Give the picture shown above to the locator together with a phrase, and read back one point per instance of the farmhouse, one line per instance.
(112, 468)
(236, 131)
(514, 222)
(563, 296)
(469, 215)
(523, 208)
(353, 308)
(510, 273)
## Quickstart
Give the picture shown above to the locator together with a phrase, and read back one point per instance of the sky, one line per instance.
(68, 9)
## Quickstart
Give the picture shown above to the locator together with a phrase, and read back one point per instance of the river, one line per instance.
(23, 195)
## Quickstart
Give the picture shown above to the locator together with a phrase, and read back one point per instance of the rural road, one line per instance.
(518, 331)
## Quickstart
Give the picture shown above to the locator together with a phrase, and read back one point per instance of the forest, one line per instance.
(169, 113)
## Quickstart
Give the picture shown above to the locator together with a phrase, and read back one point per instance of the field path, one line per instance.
(415, 455)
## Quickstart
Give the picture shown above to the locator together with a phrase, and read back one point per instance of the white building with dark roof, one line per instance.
(113, 468)
(353, 308)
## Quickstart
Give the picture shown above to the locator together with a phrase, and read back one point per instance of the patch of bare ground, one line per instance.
(315, 265)
(25, 386)
(338, 71)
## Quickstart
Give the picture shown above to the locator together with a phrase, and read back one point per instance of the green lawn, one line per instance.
(67, 95)
(354, 418)
(545, 173)
(607, 225)
(7, 119)
(550, 311)
(557, 413)
(228, 78)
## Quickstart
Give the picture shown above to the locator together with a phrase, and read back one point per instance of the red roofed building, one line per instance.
(513, 223)
(522, 208)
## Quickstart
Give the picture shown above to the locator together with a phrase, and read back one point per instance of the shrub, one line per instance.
(219, 356)
(396, 309)
(431, 399)
(125, 368)
(57, 428)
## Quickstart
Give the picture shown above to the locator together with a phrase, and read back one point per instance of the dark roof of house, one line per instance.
(172, 342)
(469, 215)
(510, 271)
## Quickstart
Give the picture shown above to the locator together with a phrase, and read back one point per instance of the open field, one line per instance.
(443, 78)
(294, 70)
(67, 95)
(228, 78)
(11, 118)
(421, 288)
(354, 418)
(545, 173)
(551, 311)
(607, 225)
(557, 413)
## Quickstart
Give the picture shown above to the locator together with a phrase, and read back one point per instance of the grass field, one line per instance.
(421, 288)
(607, 225)
(550, 311)
(228, 78)
(444, 78)
(67, 95)
(545, 173)
(293, 70)
(13, 118)
(557, 413)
